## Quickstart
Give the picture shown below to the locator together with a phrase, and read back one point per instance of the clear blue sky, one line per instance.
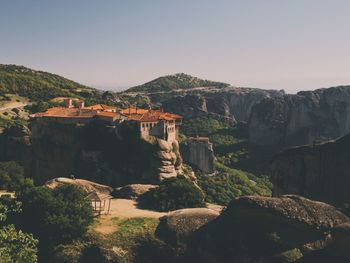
(279, 44)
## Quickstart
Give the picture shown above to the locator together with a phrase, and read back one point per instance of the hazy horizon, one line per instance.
(298, 45)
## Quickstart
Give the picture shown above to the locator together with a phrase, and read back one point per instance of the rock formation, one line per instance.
(86, 185)
(95, 152)
(230, 104)
(303, 118)
(318, 171)
(341, 236)
(266, 229)
(177, 226)
(132, 191)
(201, 154)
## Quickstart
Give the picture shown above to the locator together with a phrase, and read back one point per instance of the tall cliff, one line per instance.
(303, 118)
(231, 104)
(201, 154)
(96, 152)
(321, 171)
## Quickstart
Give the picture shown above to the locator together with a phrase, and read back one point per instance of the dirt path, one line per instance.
(122, 208)
(11, 105)
(125, 208)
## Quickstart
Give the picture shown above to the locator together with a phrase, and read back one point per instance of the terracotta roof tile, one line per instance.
(145, 115)
(100, 107)
(61, 112)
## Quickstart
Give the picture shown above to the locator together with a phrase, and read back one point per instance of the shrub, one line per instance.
(15, 110)
(202, 126)
(230, 183)
(56, 216)
(12, 177)
(15, 245)
(174, 193)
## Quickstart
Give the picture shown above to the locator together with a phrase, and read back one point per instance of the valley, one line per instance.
(169, 155)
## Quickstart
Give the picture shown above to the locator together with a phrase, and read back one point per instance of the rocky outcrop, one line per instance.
(266, 229)
(132, 191)
(341, 236)
(170, 160)
(86, 185)
(15, 144)
(108, 155)
(303, 118)
(318, 171)
(201, 154)
(229, 104)
(177, 226)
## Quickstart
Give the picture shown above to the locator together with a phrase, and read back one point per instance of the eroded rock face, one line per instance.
(341, 235)
(177, 226)
(170, 161)
(303, 118)
(201, 154)
(230, 104)
(86, 185)
(303, 212)
(262, 229)
(108, 155)
(15, 144)
(319, 171)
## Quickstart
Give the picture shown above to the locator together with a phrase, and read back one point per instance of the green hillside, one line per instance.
(177, 81)
(38, 85)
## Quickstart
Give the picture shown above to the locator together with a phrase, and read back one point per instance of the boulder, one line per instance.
(177, 226)
(341, 236)
(132, 191)
(303, 212)
(266, 229)
(86, 185)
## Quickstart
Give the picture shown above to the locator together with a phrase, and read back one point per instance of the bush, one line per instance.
(202, 126)
(15, 245)
(230, 183)
(56, 216)
(15, 110)
(41, 106)
(172, 194)
(11, 177)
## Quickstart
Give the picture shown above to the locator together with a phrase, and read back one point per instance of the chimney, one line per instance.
(68, 103)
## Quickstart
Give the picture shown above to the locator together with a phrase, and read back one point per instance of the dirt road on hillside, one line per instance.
(11, 105)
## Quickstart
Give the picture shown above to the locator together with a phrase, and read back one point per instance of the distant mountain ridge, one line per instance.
(37, 85)
(175, 82)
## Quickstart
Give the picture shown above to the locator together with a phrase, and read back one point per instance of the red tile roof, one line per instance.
(100, 107)
(129, 111)
(144, 115)
(62, 112)
(132, 114)
(108, 114)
